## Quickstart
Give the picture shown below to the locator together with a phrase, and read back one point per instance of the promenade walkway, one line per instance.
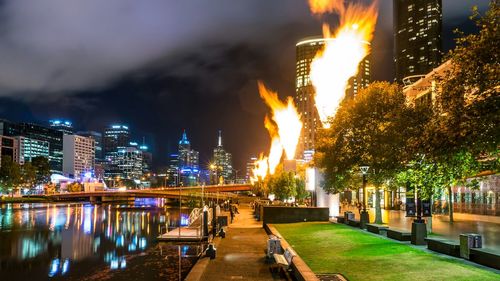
(240, 256)
(464, 223)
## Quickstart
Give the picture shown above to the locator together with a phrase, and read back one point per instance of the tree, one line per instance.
(300, 187)
(42, 167)
(283, 185)
(10, 173)
(467, 108)
(463, 135)
(372, 129)
(28, 174)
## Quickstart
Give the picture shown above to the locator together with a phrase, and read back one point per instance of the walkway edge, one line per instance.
(200, 266)
(301, 270)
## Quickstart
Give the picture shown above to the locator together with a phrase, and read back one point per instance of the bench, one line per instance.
(353, 223)
(340, 219)
(283, 263)
(376, 228)
(399, 235)
(485, 257)
(443, 246)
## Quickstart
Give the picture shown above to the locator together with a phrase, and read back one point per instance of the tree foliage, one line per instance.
(10, 173)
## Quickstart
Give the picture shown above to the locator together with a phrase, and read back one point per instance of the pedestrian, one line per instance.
(232, 214)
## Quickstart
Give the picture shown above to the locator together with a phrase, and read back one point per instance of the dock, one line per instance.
(183, 234)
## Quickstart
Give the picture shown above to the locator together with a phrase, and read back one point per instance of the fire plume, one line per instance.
(284, 128)
(287, 120)
(260, 169)
(344, 49)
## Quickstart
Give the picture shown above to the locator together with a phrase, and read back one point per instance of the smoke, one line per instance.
(63, 46)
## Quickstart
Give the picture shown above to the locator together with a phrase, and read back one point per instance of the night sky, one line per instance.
(161, 66)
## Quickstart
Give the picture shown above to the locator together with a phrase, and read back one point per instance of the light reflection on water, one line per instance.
(84, 241)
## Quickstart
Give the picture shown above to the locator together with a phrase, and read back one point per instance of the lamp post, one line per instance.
(364, 216)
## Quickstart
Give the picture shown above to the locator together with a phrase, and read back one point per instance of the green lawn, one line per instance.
(336, 248)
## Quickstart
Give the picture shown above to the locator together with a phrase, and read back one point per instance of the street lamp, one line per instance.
(364, 216)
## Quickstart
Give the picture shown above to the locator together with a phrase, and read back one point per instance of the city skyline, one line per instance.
(194, 98)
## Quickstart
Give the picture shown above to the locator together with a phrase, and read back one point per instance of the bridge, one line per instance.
(209, 192)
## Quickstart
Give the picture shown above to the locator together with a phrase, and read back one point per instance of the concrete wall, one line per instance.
(278, 214)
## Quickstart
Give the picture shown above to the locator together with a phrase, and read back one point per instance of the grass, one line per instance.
(335, 248)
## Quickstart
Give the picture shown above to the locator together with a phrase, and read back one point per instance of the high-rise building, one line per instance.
(31, 148)
(37, 132)
(128, 160)
(65, 126)
(249, 168)
(8, 147)
(222, 163)
(306, 50)
(115, 136)
(417, 38)
(99, 155)
(79, 155)
(188, 163)
(173, 170)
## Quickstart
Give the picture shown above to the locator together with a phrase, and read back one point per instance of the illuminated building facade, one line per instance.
(188, 163)
(306, 50)
(417, 38)
(9, 147)
(31, 148)
(128, 161)
(173, 170)
(115, 136)
(65, 126)
(249, 168)
(222, 163)
(79, 155)
(99, 155)
(37, 132)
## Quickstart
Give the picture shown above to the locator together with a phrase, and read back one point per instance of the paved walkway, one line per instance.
(464, 223)
(240, 256)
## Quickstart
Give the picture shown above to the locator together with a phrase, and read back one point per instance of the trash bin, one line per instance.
(348, 216)
(468, 241)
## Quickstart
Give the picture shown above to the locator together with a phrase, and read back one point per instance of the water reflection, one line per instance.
(84, 241)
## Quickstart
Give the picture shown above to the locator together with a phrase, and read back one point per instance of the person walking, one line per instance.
(231, 213)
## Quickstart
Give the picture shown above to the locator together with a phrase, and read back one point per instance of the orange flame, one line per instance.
(287, 121)
(332, 67)
(260, 169)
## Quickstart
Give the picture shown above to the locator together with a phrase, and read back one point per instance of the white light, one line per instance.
(310, 179)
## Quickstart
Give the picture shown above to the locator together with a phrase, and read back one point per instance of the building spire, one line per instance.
(220, 138)
(184, 139)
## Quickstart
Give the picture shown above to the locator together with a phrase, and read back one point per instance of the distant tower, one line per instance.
(222, 162)
(306, 50)
(417, 38)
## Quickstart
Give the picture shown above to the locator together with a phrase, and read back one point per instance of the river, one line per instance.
(80, 241)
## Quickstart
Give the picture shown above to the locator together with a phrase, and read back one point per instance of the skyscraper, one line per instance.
(306, 50)
(417, 38)
(115, 136)
(31, 148)
(37, 132)
(79, 155)
(222, 166)
(188, 163)
(97, 141)
(64, 126)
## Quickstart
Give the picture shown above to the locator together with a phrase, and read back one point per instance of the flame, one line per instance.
(333, 66)
(260, 169)
(288, 125)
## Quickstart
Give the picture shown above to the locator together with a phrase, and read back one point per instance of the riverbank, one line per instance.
(7, 199)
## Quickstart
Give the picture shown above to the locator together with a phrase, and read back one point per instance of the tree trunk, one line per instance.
(450, 203)
(429, 220)
(378, 211)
